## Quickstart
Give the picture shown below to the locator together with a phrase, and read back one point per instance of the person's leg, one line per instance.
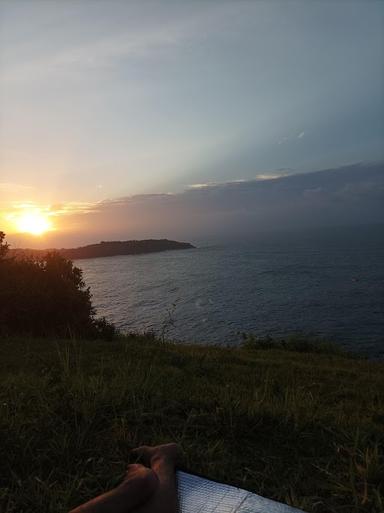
(139, 484)
(162, 460)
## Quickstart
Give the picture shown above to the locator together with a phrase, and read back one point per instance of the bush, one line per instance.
(297, 343)
(46, 297)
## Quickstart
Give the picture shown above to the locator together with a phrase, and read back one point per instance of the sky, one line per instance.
(110, 101)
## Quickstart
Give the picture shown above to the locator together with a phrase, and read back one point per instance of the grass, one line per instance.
(302, 427)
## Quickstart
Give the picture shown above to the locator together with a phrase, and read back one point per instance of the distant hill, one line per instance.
(106, 249)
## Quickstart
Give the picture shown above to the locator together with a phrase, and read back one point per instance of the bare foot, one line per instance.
(169, 453)
(163, 460)
(138, 486)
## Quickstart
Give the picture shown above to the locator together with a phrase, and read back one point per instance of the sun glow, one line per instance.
(33, 222)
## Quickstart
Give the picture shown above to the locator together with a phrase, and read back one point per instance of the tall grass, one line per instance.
(300, 427)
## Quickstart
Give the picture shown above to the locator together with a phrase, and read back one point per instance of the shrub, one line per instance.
(46, 297)
(297, 343)
(3, 245)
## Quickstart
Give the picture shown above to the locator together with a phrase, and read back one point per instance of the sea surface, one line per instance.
(329, 285)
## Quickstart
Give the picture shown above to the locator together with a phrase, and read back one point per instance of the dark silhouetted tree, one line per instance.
(46, 297)
(3, 245)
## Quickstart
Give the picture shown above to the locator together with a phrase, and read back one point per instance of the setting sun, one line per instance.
(35, 223)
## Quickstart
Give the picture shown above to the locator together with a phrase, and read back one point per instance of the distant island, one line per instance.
(107, 249)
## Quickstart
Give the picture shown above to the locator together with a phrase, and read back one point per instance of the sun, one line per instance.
(33, 222)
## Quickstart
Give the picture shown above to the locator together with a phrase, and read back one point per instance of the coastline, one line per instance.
(106, 249)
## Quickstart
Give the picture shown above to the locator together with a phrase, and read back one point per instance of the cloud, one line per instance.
(215, 184)
(348, 195)
(291, 138)
(267, 175)
(88, 51)
(73, 207)
(199, 185)
(105, 52)
(94, 55)
(11, 210)
(58, 209)
(273, 175)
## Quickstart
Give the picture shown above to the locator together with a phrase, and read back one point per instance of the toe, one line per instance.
(143, 453)
(142, 479)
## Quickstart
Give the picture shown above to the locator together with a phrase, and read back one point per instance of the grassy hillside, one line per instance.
(300, 427)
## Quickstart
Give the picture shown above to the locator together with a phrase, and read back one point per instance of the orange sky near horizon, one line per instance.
(34, 224)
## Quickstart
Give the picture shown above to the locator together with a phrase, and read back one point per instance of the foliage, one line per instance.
(297, 343)
(3, 245)
(46, 297)
(302, 428)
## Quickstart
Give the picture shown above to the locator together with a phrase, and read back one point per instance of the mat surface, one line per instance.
(200, 495)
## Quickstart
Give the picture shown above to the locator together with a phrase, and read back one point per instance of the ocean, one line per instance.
(329, 284)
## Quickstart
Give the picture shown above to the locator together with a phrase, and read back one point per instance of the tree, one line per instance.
(47, 297)
(3, 245)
